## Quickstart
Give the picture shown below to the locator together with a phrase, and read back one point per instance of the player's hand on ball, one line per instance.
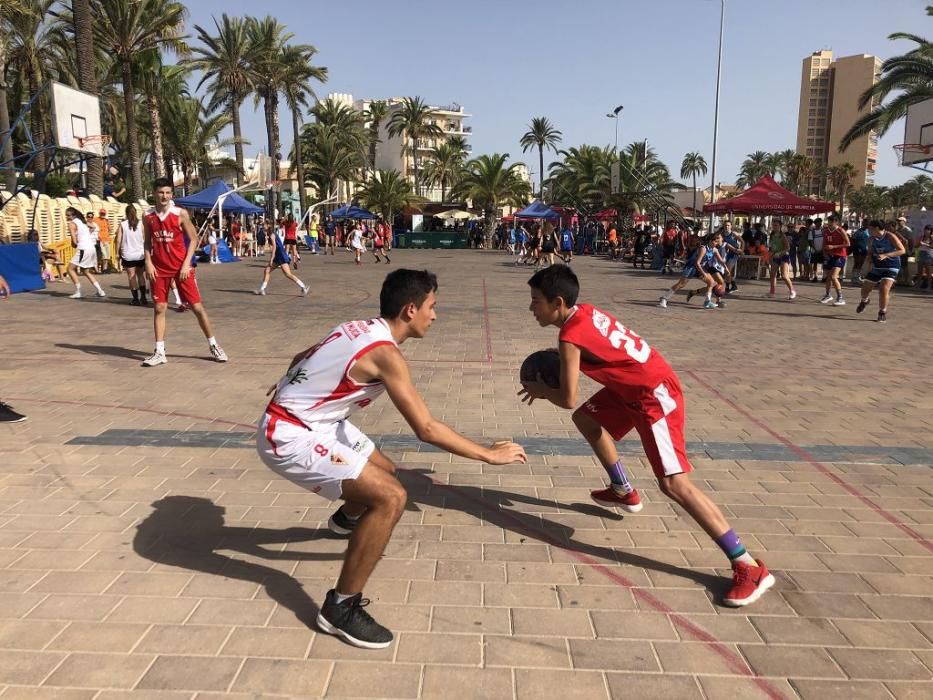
(533, 390)
(506, 452)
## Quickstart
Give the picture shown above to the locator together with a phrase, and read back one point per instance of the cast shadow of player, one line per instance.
(116, 351)
(189, 533)
(491, 506)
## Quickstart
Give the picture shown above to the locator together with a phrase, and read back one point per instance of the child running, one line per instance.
(779, 249)
(694, 267)
(282, 260)
(640, 391)
(885, 250)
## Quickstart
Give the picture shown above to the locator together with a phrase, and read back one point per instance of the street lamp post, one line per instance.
(614, 114)
(712, 197)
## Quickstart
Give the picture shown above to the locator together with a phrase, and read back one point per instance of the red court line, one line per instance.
(813, 462)
(732, 660)
(486, 326)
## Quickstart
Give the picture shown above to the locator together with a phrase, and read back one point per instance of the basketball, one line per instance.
(719, 290)
(543, 363)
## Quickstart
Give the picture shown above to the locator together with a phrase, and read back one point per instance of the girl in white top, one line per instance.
(133, 255)
(85, 257)
(356, 242)
(212, 242)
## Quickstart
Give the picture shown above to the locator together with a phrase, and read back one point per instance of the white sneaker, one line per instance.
(76, 295)
(260, 292)
(662, 302)
(839, 302)
(792, 295)
(156, 358)
(218, 354)
(101, 293)
(305, 291)
(826, 299)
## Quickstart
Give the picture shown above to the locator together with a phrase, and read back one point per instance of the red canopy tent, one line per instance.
(767, 197)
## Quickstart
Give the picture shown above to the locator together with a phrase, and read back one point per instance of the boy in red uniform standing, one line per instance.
(170, 242)
(640, 391)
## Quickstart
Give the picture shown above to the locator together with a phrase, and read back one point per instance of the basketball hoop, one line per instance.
(910, 153)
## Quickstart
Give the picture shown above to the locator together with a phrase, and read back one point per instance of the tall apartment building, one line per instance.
(395, 152)
(829, 95)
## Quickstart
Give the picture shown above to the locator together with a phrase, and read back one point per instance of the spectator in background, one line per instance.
(748, 236)
(104, 237)
(859, 250)
(133, 254)
(905, 233)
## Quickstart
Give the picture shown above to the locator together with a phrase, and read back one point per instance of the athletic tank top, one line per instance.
(169, 242)
(83, 234)
(132, 241)
(319, 389)
(630, 368)
(880, 246)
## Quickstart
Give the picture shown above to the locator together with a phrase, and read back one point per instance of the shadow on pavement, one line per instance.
(490, 505)
(187, 532)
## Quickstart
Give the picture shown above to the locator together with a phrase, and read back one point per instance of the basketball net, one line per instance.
(914, 152)
(99, 140)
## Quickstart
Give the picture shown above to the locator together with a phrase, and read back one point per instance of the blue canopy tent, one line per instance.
(537, 210)
(207, 199)
(352, 211)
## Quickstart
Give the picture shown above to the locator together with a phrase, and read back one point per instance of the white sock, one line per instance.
(97, 287)
(77, 286)
(160, 346)
(212, 341)
(299, 283)
(262, 287)
(669, 294)
(709, 295)
(340, 597)
(177, 298)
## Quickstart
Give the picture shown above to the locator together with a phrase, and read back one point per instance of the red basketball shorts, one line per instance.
(658, 418)
(187, 289)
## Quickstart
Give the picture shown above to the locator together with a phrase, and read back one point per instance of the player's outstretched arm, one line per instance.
(393, 371)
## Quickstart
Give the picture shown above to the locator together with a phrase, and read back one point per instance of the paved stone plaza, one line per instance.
(144, 548)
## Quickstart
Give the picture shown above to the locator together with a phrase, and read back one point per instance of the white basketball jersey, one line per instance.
(319, 389)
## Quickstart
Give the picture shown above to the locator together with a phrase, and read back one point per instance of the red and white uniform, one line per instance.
(304, 434)
(835, 238)
(641, 389)
(169, 251)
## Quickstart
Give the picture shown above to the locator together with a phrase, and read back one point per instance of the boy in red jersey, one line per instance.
(170, 240)
(640, 391)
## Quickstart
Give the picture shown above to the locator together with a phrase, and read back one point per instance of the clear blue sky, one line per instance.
(507, 61)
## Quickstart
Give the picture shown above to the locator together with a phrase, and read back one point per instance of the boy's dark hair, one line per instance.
(403, 287)
(161, 182)
(556, 281)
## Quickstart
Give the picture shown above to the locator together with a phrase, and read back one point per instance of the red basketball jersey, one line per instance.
(169, 242)
(629, 367)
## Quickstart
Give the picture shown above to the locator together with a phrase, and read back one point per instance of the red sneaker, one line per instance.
(748, 584)
(608, 497)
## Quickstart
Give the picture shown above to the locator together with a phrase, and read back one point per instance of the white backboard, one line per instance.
(919, 129)
(76, 115)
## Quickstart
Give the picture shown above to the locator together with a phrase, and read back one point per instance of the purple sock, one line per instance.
(733, 548)
(618, 478)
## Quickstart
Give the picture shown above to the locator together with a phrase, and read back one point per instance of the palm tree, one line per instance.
(386, 193)
(798, 171)
(193, 132)
(693, 164)
(445, 163)
(335, 146)
(870, 201)
(8, 10)
(921, 187)
(159, 83)
(126, 28)
(224, 59)
(416, 120)
(840, 176)
(87, 79)
(490, 184)
(34, 53)
(541, 133)
(910, 75)
(375, 115)
(754, 167)
(296, 87)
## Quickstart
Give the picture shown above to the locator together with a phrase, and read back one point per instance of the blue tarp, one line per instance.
(19, 265)
(537, 210)
(206, 198)
(352, 211)
(224, 254)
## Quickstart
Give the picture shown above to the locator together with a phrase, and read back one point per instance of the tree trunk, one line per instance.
(237, 140)
(373, 140)
(37, 126)
(155, 119)
(87, 80)
(443, 189)
(541, 172)
(168, 165)
(299, 165)
(6, 137)
(694, 195)
(414, 166)
(132, 134)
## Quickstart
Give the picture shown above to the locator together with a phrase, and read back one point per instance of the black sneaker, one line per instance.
(349, 621)
(882, 317)
(861, 306)
(340, 523)
(8, 415)
(690, 295)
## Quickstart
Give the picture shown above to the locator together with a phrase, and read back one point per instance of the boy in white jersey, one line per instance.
(305, 436)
